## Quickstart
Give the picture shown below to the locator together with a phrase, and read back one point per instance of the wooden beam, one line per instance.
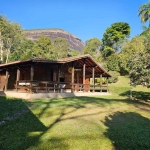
(107, 83)
(32, 73)
(58, 79)
(31, 77)
(84, 67)
(77, 77)
(6, 81)
(101, 82)
(72, 77)
(17, 78)
(93, 78)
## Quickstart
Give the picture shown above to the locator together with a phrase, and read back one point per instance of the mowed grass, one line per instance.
(79, 123)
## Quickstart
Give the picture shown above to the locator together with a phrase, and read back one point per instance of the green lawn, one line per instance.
(79, 123)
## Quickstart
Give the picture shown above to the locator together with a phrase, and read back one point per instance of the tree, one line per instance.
(60, 48)
(129, 49)
(146, 31)
(144, 12)
(93, 47)
(139, 66)
(114, 36)
(26, 48)
(10, 39)
(1, 47)
(72, 52)
(43, 48)
(113, 62)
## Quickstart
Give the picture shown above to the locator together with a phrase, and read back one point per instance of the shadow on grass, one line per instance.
(21, 132)
(128, 131)
(27, 130)
(83, 102)
(138, 95)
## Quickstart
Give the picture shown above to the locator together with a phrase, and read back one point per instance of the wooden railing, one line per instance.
(57, 87)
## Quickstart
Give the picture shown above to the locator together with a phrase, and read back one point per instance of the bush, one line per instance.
(113, 62)
(114, 77)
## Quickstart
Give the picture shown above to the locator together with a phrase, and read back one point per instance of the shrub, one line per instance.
(114, 77)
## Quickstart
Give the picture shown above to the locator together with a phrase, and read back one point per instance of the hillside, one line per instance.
(74, 42)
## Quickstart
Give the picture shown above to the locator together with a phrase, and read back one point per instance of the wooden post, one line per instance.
(77, 81)
(93, 78)
(58, 79)
(31, 77)
(17, 79)
(101, 82)
(107, 83)
(77, 77)
(32, 73)
(6, 82)
(84, 66)
(72, 78)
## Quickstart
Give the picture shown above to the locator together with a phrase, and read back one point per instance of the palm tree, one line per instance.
(144, 12)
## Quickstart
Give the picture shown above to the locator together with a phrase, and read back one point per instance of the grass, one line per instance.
(79, 123)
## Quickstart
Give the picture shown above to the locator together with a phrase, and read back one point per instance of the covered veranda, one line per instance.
(67, 75)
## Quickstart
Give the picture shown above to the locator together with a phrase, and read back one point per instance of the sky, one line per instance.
(85, 19)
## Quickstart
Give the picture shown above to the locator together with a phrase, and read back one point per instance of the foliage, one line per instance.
(128, 50)
(114, 77)
(144, 12)
(25, 48)
(114, 36)
(107, 51)
(72, 52)
(93, 47)
(146, 31)
(113, 62)
(60, 48)
(139, 66)
(11, 36)
(43, 47)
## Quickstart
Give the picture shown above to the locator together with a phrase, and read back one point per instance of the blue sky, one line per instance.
(85, 19)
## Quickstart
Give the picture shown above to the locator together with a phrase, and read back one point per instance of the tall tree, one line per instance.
(43, 48)
(129, 49)
(92, 47)
(139, 66)
(61, 47)
(25, 48)
(11, 37)
(1, 47)
(114, 37)
(144, 12)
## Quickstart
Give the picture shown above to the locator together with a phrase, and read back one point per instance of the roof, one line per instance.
(90, 63)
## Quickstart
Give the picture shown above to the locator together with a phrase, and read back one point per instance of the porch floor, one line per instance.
(25, 95)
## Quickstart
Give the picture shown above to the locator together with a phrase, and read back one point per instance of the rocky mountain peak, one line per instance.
(73, 41)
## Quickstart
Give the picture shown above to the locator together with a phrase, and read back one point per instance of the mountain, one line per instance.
(73, 41)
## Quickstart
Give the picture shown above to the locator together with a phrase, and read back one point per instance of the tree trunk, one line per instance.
(7, 55)
(1, 47)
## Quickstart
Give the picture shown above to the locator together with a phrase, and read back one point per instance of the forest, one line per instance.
(116, 51)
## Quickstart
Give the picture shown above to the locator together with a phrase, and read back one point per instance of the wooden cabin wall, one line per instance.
(2, 79)
(25, 73)
(12, 78)
(87, 81)
(43, 73)
(39, 73)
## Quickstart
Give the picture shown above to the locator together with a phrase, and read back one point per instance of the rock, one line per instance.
(73, 41)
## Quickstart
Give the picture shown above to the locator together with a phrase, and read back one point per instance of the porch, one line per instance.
(29, 96)
(53, 78)
(29, 86)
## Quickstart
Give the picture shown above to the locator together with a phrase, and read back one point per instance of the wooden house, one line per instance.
(37, 75)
